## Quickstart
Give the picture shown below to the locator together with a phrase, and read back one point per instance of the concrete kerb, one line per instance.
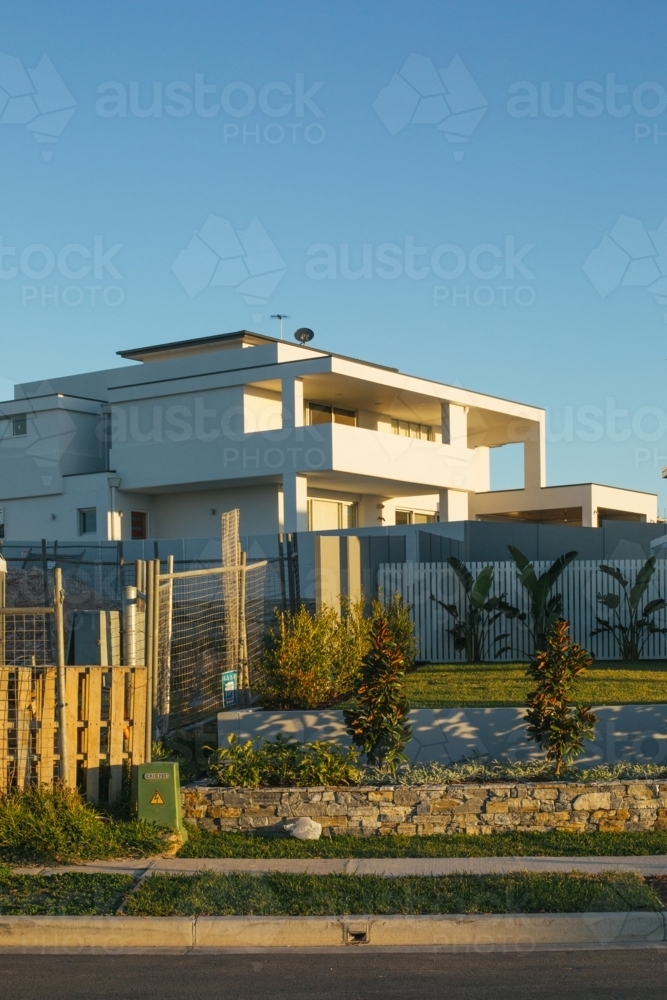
(461, 931)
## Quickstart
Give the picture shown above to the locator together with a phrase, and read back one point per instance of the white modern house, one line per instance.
(296, 437)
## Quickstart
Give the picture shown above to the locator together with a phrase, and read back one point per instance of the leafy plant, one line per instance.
(632, 630)
(282, 763)
(545, 608)
(402, 628)
(554, 721)
(377, 722)
(472, 630)
(311, 660)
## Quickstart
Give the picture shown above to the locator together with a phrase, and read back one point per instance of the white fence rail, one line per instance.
(579, 585)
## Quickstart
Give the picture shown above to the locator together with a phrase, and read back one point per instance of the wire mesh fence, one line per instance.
(199, 640)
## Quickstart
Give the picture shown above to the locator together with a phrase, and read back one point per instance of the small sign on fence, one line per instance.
(229, 688)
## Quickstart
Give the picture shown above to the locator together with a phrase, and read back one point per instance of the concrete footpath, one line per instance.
(655, 864)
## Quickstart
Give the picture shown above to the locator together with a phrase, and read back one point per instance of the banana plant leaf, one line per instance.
(616, 573)
(642, 581)
(463, 573)
(610, 600)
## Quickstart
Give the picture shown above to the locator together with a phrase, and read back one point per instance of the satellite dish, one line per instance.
(303, 335)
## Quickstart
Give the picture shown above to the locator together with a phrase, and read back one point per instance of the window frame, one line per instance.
(82, 517)
(332, 411)
(144, 514)
(20, 418)
(424, 432)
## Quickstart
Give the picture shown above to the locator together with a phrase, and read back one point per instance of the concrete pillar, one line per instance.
(589, 512)
(453, 505)
(455, 425)
(295, 502)
(371, 512)
(292, 398)
(534, 458)
(327, 571)
(354, 587)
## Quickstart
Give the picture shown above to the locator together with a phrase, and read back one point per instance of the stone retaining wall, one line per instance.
(411, 810)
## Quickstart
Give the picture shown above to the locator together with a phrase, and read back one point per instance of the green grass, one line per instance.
(473, 685)
(209, 894)
(69, 894)
(44, 826)
(203, 844)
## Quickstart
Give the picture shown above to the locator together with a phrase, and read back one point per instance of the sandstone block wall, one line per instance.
(411, 810)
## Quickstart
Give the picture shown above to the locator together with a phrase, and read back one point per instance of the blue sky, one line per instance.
(308, 126)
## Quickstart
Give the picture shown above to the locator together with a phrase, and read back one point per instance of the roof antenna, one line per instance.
(281, 317)
(303, 335)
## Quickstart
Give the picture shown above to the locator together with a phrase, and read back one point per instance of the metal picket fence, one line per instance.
(579, 585)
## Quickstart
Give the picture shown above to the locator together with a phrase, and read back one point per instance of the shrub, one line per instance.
(297, 663)
(472, 630)
(282, 763)
(314, 660)
(632, 630)
(377, 723)
(553, 720)
(545, 608)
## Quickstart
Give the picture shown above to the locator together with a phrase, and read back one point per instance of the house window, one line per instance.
(19, 426)
(323, 515)
(414, 517)
(139, 524)
(404, 428)
(322, 413)
(87, 520)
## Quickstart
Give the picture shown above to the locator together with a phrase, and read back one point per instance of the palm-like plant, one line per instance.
(632, 629)
(471, 631)
(545, 608)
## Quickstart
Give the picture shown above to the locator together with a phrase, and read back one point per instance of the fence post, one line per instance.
(130, 628)
(243, 635)
(3, 598)
(58, 607)
(156, 649)
(150, 586)
(163, 672)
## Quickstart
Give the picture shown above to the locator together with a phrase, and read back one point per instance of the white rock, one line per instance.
(592, 800)
(304, 828)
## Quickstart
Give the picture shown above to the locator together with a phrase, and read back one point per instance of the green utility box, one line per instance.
(159, 795)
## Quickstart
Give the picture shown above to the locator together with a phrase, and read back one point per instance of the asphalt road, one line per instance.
(358, 975)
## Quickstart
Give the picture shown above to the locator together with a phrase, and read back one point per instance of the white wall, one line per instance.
(188, 515)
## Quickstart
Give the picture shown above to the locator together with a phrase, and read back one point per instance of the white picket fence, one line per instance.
(579, 585)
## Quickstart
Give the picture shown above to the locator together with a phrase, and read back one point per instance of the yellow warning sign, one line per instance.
(157, 799)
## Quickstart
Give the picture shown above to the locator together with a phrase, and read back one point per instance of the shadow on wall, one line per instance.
(624, 733)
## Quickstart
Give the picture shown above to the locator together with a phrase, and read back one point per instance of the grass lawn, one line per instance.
(69, 894)
(203, 844)
(210, 894)
(477, 685)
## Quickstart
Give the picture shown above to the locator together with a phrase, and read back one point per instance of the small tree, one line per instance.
(377, 723)
(471, 631)
(554, 721)
(401, 626)
(631, 631)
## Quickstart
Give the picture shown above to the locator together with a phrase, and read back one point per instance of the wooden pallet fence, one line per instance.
(105, 718)
(579, 585)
